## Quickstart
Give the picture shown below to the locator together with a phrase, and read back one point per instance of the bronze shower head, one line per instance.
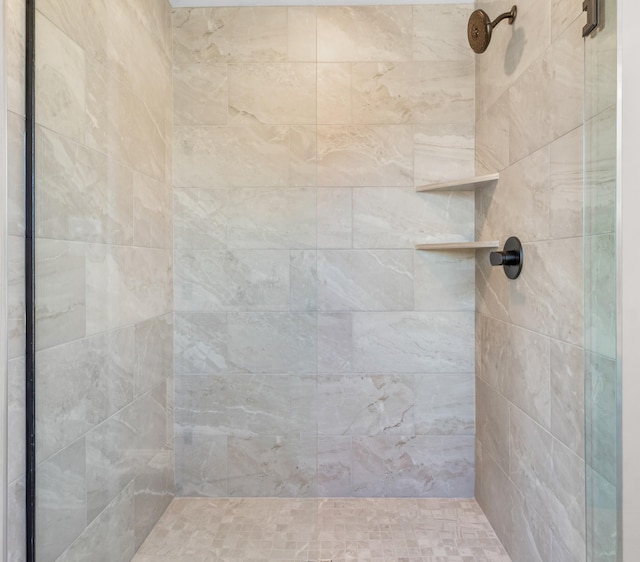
(480, 27)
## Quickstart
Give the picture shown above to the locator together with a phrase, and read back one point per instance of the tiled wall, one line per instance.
(316, 352)
(530, 436)
(104, 276)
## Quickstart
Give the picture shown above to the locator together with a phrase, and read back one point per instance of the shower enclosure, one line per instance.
(227, 297)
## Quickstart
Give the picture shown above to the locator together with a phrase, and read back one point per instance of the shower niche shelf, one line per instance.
(448, 246)
(467, 184)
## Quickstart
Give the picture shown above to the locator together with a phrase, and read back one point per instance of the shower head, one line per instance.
(480, 27)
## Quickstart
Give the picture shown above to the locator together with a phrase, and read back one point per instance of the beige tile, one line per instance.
(15, 174)
(200, 94)
(152, 213)
(230, 34)
(334, 93)
(563, 13)
(364, 33)
(15, 44)
(439, 32)
(302, 33)
(492, 423)
(334, 206)
(492, 137)
(274, 93)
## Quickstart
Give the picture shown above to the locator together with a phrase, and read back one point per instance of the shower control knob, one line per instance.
(510, 258)
(505, 258)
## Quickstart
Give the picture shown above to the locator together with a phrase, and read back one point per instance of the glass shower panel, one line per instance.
(104, 332)
(602, 406)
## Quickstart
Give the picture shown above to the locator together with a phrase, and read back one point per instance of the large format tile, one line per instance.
(200, 218)
(492, 423)
(201, 464)
(154, 353)
(413, 342)
(152, 213)
(365, 280)
(431, 466)
(200, 343)
(436, 32)
(16, 398)
(444, 280)
(200, 94)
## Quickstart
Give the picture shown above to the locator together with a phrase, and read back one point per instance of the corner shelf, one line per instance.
(467, 184)
(441, 246)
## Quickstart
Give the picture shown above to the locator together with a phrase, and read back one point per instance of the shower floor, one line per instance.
(336, 529)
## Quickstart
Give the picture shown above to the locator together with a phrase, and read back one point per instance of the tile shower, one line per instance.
(235, 307)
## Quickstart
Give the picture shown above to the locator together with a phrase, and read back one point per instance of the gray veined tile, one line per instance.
(365, 280)
(17, 524)
(219, 281)
(334, 466)
(200, 218)
(201, 463)
(366, 405)
(492, 424)
(431, 466)
(200, 343)
(444, 404)
(16, 419)
(413, 342)
(15, 44)
(152, 213)
(303, 280)
(335, 348)
(154, 353)
(334, 217)
(15, 297)
(15, 174)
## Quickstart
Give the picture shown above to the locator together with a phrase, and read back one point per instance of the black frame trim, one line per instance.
(29, 255)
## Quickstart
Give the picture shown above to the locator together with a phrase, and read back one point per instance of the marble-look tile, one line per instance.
(365, 280)
(152, 213)
(436, 32)
(111, 536)
(200, 94)
(444, 404)
(60, 90)
(431, 466)
(334, 207)
(232, 156)
(492, 137)
(272, 93)
(154, 490)
(402, 218)
(14, 26)
(61, 300)
(61, 501)
(366, 405)
(548, 299)
(335, 350)
(524, 185)
(219, 281)
(201, 464)
(444, 280)
(154, 353)
(230, 34)
(273, 342)
(600, 401)
(16, 442)
(301, 22)
(241, 405)
(303, 163)
(566, 184)
(280, 466)
(530, 111)
(374, 155)
(550, 476)
(492, 288)
(525, 535)
(200, 343)
(602, 517)
(514, 49)
(15, 297)
(82, 195)
(15, 174)
(434, 92)
(515, 362)
(492, 423)
(565, 60)
(333, 93)
(17, 523)
(200, 218)
(334, 466)
(271, 218)
(125, 285)
(567, 395)
(121, 125)
(303, 280)
(80, 384)
(443, 151)
(364, 33)
(563, 13)
(413, 342)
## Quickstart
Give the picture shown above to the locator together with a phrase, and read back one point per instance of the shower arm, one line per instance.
(511, 15)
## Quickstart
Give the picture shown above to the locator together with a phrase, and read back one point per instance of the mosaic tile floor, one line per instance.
(337, 530)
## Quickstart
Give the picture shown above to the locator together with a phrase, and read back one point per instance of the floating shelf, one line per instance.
(458, 246)
(468, 184)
